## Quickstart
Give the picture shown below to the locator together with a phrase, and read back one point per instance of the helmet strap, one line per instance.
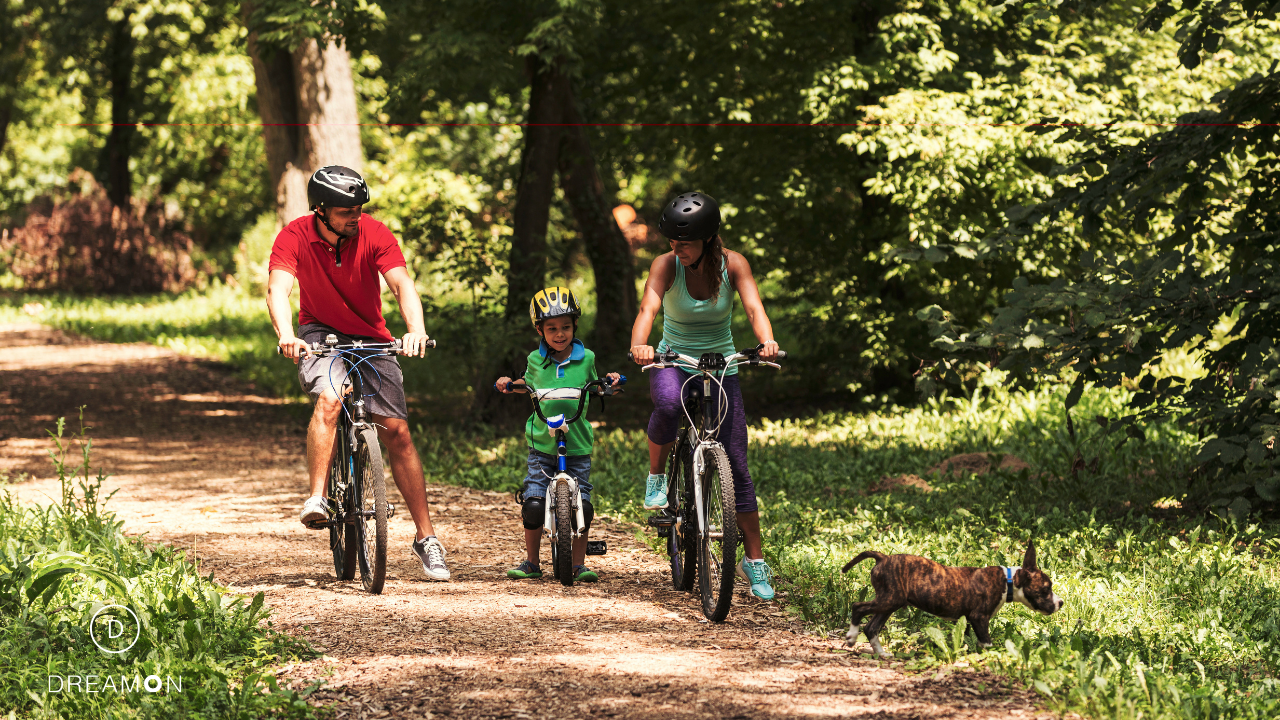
(337, 250)
(705, 243)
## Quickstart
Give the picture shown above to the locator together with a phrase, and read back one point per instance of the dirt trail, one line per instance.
(203, 462)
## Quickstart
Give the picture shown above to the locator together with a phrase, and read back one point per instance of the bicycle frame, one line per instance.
(711, 368)
(558, 425)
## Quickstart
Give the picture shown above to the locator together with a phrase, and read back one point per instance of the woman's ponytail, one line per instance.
(711, 264)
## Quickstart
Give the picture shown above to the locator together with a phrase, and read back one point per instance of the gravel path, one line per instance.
(204, 462)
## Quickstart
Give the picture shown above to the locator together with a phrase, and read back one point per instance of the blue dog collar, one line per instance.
(1008, 581)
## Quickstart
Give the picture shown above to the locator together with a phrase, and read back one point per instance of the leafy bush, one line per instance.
(61, 564)
(82, 243)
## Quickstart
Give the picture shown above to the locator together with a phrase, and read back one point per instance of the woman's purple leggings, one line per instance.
(664, 424)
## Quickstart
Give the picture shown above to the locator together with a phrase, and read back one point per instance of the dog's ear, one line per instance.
(1029, 559)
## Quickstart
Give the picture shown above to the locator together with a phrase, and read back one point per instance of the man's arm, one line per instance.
(279, 288)
(415, 341)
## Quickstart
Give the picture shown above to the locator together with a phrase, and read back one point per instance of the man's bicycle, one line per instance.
(564, 520)
(700, 520)
(357, 486)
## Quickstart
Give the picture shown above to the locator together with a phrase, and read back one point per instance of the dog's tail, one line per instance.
(879, 557)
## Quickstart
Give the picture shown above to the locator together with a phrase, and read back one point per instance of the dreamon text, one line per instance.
(107, 683)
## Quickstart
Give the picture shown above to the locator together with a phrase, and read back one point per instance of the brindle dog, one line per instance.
(948, 592)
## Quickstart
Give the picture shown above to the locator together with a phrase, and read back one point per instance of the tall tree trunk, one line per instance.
(116, 153)
(607, 249)
(307, 101)
(6, 113)
(549, 92)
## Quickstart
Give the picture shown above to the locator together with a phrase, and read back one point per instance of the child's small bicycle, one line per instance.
(564, 521)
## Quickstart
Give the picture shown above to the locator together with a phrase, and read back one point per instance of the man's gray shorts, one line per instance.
(382, 378)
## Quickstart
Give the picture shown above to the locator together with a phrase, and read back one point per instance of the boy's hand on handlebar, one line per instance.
(503, 382)
(415, 344)
(769, 350)
(642, 354)
(614, 379)
(293, 348)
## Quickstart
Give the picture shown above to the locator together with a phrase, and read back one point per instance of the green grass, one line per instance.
(61, 564)
(1168, 613)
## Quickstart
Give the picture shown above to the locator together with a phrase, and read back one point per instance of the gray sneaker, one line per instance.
(431, 552)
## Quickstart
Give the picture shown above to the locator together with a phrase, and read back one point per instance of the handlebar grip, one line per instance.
(622, 379)
(782, 354)
(431, 342)
(279, 350)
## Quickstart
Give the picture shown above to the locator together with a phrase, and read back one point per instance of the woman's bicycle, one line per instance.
(564, 521)
(357, 486)
(699, 522)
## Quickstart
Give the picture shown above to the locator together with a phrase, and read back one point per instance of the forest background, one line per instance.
(1069, 190)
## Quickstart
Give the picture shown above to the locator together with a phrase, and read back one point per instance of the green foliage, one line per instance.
(1200, 201)
(61, 564)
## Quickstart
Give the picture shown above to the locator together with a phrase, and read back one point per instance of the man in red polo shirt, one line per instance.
(337, 254)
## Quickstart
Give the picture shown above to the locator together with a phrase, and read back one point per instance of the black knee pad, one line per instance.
(533, 512)
(588, 512)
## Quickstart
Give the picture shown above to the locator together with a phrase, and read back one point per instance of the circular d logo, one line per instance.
(114, 629)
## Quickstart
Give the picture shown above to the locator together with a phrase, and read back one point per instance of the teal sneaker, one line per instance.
(526, 571)
(585, 574)
(758, 573)
(655, 492)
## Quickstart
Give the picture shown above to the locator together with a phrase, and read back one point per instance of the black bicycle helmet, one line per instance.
(690, 216)
(336, 186)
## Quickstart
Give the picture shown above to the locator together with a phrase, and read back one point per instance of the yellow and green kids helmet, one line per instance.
(553, 302)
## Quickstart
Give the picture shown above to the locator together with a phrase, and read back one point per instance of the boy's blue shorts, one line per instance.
(535, 482)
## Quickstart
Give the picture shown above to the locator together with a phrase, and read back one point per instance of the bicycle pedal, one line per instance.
(661, 520)
(664, 532)
(597, 547)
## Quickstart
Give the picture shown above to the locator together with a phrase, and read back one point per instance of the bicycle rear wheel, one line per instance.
(717, 536)
(681, 548)
(342, 537)
(562, 544)
(371, 511)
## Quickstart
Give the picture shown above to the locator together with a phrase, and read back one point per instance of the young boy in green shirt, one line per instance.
(561, 361)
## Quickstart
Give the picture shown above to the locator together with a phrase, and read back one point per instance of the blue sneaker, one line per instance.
(758, 573)
(655, 492)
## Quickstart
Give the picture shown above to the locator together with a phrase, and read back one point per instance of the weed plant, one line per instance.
(1169, 613)
(61, 564)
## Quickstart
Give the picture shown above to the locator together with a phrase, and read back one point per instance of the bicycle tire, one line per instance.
(681, 549)
(562, 545)
(371, 511)
(342, 538)
(717, 556)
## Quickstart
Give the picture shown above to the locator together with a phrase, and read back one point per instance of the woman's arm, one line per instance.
(745, 283)
(661, 273)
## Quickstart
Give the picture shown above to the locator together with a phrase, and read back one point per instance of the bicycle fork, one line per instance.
(548, 520)
(699, 501)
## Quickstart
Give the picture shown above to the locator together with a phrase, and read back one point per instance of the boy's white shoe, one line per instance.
(315, 509)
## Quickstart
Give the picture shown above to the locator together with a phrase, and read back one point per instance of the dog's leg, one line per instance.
(981, 629)
(873, 631)
(858, 612)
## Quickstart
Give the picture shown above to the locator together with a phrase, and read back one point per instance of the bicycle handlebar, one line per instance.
(395, 347)
(750, 356)
(600, 388)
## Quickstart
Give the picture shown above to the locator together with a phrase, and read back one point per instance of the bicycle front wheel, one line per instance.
(681, 547)
(342, 537)
(562, 544)
(717, 536)
(371, 508)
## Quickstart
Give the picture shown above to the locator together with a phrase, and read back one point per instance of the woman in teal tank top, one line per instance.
(694, 285)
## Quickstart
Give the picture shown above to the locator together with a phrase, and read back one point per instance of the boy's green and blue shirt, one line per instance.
(544, 373)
